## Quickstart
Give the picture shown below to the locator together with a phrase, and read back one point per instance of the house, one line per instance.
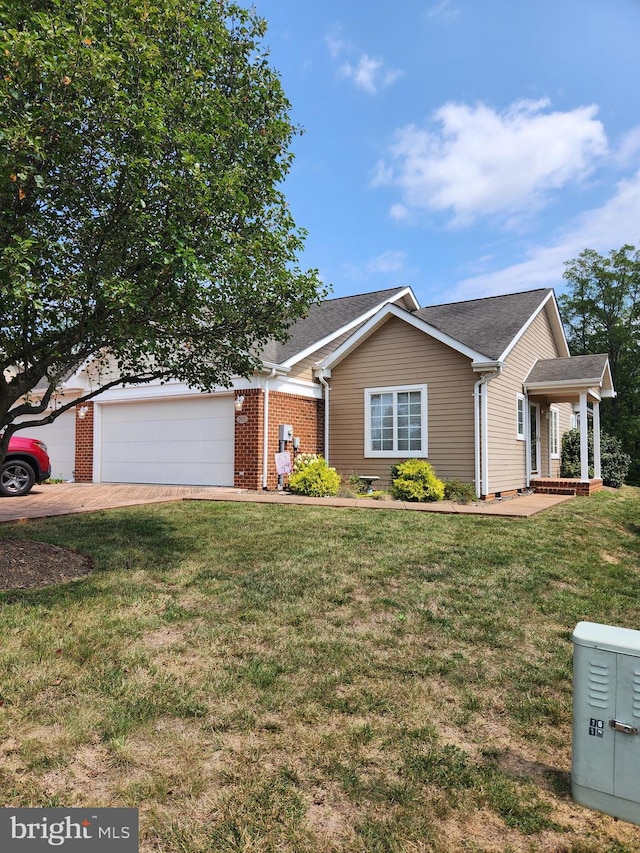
(483, 389)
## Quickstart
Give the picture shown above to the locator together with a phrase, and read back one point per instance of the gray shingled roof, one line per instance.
(579, 368)
(325, 319)
(487, 325)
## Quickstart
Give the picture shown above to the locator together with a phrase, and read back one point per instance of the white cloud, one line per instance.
(392, 263)
(629, 149)
(399, 212)
(387, 262)
(443, 9)
(478, 162)
(337, 45)
(366, 72)
(369, 74)
(604, 228)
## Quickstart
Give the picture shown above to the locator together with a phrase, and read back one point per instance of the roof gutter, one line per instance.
(321, 374)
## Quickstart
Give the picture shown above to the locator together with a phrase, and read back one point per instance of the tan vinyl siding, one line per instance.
(507, 454)
(398, 354)
(304, 369)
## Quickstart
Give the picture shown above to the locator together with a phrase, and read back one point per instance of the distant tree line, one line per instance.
(601, 313)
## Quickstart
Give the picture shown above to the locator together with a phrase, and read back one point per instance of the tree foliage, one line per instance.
(142, 219)
(601, 313)
(614, 462)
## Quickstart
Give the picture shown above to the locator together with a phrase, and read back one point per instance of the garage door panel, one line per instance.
(188, 442)
(60, 438)
(172, 474)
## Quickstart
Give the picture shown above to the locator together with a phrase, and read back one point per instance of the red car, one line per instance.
(27, 462)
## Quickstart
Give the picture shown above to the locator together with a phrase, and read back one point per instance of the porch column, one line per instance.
(584, 439)
(597, 470)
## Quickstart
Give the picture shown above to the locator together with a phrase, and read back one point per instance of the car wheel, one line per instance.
(16, 478)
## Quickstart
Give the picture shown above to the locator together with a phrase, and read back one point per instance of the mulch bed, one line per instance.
(25, 565)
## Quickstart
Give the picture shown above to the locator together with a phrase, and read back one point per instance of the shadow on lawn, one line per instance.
(117, 540)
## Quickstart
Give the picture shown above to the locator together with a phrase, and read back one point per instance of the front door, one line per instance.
(534, 437)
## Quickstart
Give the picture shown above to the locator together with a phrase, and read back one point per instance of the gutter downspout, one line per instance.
(481, 429)
(265, 429)
(325, 385)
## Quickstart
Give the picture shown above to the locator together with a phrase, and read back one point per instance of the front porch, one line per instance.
(565, 486)
(582, 381)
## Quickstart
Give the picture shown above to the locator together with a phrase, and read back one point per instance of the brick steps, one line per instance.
(565, 486)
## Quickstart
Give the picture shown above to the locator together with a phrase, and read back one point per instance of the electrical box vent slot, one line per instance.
(635, 701)
(598, 685)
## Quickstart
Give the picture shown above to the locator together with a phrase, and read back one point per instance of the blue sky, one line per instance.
(463, 147)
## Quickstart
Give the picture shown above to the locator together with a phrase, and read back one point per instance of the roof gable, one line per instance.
(493, 325)
(329, 320)
(410, 318)
(579, 371)
(485, 330)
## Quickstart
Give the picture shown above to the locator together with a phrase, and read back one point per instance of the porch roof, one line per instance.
(564, 379)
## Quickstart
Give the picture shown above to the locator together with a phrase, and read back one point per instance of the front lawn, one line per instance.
(293, 679)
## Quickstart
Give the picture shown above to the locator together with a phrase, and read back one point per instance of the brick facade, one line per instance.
(249, 426)
(304, 414)
(83, 472)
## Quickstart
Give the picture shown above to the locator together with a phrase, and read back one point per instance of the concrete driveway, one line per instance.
(70, 498)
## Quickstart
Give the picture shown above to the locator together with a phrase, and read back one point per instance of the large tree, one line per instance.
(143, 147)
(601, 313)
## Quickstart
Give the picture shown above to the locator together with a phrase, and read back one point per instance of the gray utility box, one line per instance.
(605, 772)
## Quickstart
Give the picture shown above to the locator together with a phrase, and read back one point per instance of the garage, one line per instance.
(60, 438)
(185, 441)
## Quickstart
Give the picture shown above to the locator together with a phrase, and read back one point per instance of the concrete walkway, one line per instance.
(69, 498)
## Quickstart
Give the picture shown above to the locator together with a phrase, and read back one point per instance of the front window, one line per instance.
(520, 418)
(396, 421)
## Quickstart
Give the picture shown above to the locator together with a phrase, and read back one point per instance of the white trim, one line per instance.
(299, 356)
(597, 464)
(529, 467)
(96, 476)
(395, 453)
(554, 432)
(556, 324)
(584, 438)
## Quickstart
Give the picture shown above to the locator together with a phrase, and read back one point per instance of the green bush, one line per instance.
(313, 477)
(614, 462)
(459, 491)
(416, 481)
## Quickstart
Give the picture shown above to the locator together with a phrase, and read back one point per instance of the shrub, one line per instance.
(416, 481)
(614, 462)
(313, 477)
(460, 491)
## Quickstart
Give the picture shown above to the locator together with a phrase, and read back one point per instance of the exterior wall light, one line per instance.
(82, 413)
(238, 403)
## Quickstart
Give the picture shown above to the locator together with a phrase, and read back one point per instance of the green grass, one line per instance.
(264, 678)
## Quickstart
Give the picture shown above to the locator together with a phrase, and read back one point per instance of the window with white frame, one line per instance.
(554, 432)
(396, 421)
(520, 421)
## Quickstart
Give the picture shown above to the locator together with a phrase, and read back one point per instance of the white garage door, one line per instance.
(179, 442)
(60, 438)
